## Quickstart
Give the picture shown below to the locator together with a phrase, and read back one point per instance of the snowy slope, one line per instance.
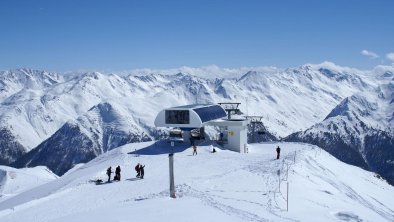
(110, 125)
(35, 115)
(18, 80)
(14, 181)
(360, 130)
(102, 128)
(225, 186)
(10, 148)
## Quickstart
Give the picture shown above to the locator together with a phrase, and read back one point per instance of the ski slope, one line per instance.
(222, 186)
(14, 181)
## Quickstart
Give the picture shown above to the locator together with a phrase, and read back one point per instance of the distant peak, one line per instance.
(249, 74)
(104, 106)
(95, 75)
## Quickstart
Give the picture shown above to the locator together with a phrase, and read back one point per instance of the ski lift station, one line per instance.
(192, 118)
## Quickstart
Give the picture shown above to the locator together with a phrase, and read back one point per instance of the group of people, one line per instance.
(117, 173)
(195, 149)
(139, 168)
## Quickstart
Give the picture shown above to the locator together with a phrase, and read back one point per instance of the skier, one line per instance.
(277, 153)
(109, 171)
(142, 171)
(138, 169)
(194, 149)
(213, 149)
(117, 173)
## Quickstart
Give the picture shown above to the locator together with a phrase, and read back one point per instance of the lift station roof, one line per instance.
(189, 116)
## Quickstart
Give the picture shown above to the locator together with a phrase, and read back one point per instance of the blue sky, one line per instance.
(120, 35)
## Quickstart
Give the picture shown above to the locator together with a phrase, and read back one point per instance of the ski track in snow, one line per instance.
(185, 190)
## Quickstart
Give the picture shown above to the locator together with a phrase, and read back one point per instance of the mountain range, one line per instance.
(60, 120)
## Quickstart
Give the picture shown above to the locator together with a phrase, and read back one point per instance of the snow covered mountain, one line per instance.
(17, 82)
(225, 186)
(360, 130)
(43, 111)
(102, 128)
(10, 148)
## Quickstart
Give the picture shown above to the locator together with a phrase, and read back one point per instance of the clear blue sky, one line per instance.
(118, 35)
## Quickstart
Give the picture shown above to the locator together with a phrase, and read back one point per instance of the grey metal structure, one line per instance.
(231, 108)
(255, 120)
(172, 182)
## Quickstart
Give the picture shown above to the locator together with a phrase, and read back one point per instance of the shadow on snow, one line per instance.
(161, 147)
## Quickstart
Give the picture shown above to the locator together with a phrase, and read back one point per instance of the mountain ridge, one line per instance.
(290, 100)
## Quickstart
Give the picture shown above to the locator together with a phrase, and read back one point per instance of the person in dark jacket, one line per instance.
(117, 173)
(194, 149)
(109, 172)
(277, 153)
(138, 170)
(142, 171)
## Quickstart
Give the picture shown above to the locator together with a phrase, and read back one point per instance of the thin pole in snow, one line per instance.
(287, 198)
(172, 183)
(287, 172)
(295, 152)
(279, 179)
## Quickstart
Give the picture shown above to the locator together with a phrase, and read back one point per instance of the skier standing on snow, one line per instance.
(117, 173)
(109, 171)
(194, 149)
(138, 169)
(142, 171)
(277, 153)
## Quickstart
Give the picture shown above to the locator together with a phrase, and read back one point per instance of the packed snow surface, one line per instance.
(14, 181)
(221, 186)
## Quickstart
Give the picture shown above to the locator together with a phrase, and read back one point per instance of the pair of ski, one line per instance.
(101, 182)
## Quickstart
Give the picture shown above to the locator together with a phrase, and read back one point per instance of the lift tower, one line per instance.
(231, 108)
(256, 120)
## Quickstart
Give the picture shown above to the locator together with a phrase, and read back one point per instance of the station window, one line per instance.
(177, 117)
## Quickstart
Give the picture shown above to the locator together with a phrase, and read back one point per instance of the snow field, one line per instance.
(14, 181)
(224, 186)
